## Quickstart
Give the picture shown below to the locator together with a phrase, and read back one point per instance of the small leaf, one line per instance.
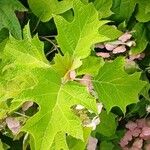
(107, 126)
(140, 37)
(43, 85)
(64, 67)
(45, 9)
(103, 6)
(122, 9)
(8, 18)
(75, 144)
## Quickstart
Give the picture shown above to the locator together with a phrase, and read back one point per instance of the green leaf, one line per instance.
(54, 112)
(44, 86)
(106, 145)
(78, 36)
(107, 126)
(44, 9)
(90, 66)
(115, 87)
(60, 142)
(30, 51)
(4, 33)
(143, 14)
(103, 6)
(140, 37)
(15, 76)
(145, 91)
(110, 31)
(75, 144)
(123, 10)
(8, 18)
(1, 145)
(63, 67)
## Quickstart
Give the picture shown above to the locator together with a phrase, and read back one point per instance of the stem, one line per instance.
(78, 79)
(50, 41)
(36, 25)
(49, 36)
(48, 53)
(21, 114)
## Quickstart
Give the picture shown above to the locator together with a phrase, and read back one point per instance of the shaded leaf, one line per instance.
(103, 6)
(143, 14)
(140, 37)
(108, 125)
(8, 18)
(46, 8)
(106, 145)
(122, 9)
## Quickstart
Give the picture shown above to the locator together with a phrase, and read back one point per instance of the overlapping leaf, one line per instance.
(143, 14)
(77, 37)
(123, 9)
(90, 66)
(43, 85)
(103, 6)
(44, 9)
(8, 18)
(141, 38)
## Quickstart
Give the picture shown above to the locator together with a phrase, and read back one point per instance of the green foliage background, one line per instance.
(41, 42)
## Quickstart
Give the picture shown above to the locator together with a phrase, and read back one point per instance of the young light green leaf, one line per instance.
(103, 6)
(44, 86)
(78, 36)
(115, 87)
(74, 144)
(63, 67)
(140, 37)
(59, 142)
(8, 18)
(18, 58)
(44, 9)
(30, 51)
(54, 111)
